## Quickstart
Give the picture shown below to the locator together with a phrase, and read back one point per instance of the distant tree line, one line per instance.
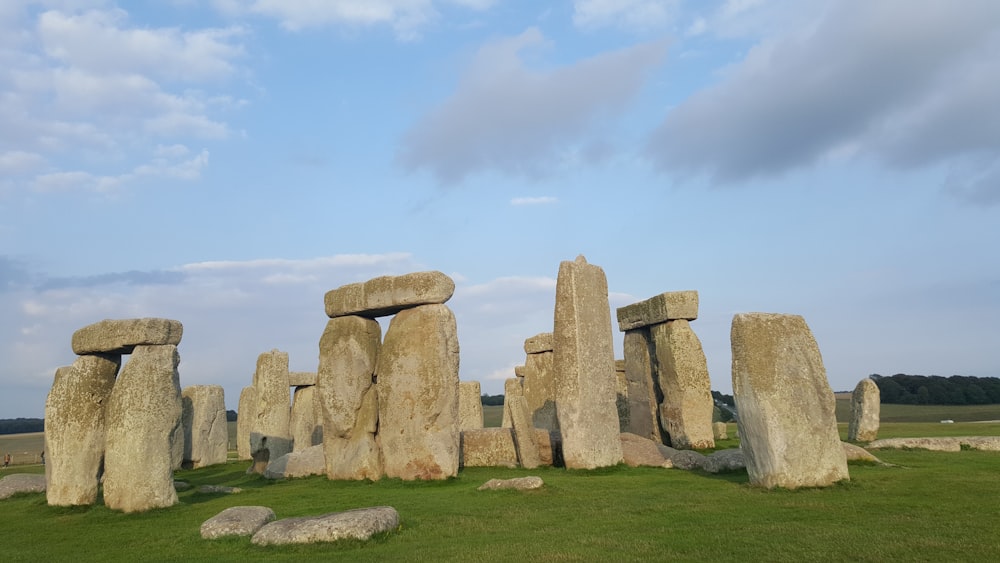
(937, 390)
(21, 425)
(724, 399)
(492, 400)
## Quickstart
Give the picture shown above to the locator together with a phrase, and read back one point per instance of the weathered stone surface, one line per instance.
(621, 395)
(300, 463)
(21, 483)
(348, 351)
(787, 426)
(270, 437)
(305, 423)
(644, 394)
(683, 459)
(682, 374)
(720, 431)
(144, 410)
(539, 343)
(724, 460)
(112, 336)
(75, 428)
(519, 371)
(206, 430)
(641, 451)
(512, 386)
(246, 414)
(358, 524)
(470, 405)
(387, 295)
(218, 490)
(949, 444)
(865, 409)
(418, 394)
(539, 389)
(181, 486)
(549, 446)
(524, 434)
(669, 306)
(982, 443)
(236, 521)
(857, 453)
(301, 378)
(488, 447)
(519, 483)
(584, 367)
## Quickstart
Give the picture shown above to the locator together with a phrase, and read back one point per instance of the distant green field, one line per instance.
(925, 413)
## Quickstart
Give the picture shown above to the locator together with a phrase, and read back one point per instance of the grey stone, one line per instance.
(470, 405)
(245, 417)
(865, 410)
(947, 444)
(584, 368)
(143, 414)
(21, 483)
(519, 483)
(75, 428)
(683, 459)
(387, 295)
(181, 486)
(682, 374)
(236, 521)
(270, 436)
(358, 524)
(488, 447)
(787, 424)
(206, 430)
(621, 395)
(219, 489)
(112, 336)
(669, 306)
(301, 463)
(724, 460)
(305, 422)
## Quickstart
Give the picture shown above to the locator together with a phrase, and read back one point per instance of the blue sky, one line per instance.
(226, 163)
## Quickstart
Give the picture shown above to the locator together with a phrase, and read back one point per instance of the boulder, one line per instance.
(270, 436)
(245, 417)
(488, 447)
(518, 483)
(388, 295)
(358, 524)
(418, 394)
(787, 424)
(524, 433)
(144, 411)
(470, 405)
(122, 336)
(206, 430)
(724, 461)
(865, 409)
(682, 374)
(21, 483)
(641, 451)
(75, 422)
(584, 368)
(348, 398)
(236, 521)
(670, 306)
(305, 423)
(683, 459)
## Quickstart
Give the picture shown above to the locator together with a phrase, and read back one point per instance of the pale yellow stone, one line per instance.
(120, 336)
(305, 423)
(488, 447)
(270, 437)
(387, 295)
(669, 306)
(470, 405)
(865, 410)
(245, 415)
(206, 430)
(538, 343)
(682, 373)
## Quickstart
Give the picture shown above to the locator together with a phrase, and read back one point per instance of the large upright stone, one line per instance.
(270, 437)
(644, 393)
(144, 410)
(669, 306)
(470, 405)
(75, 428)
(512, 386)
(348, 351)
(686, 410)
(387, 295)
(865, 410)
(246, 414)
(112, 336)
(539, 383)
(787, 425)
(418, 394)
(584, 367)
(305, 422)
(524, 433)
(206, 430)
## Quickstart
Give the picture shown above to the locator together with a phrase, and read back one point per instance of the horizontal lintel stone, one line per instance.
(121, 336)
(301, 378)
(669, 306)
(538, 343)
(388, 295)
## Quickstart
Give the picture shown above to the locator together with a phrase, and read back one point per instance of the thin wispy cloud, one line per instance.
(540, 200)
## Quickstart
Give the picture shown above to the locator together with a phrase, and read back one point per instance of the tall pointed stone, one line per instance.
(686, 410)
(246, 414)
(75, 428)
(348, 351)
(305, 423)
(418, 394)
(470, 405)
(865, 410)
(270, 437)
(206, 430)
(584, 367)
(144, 411)
(787, 425)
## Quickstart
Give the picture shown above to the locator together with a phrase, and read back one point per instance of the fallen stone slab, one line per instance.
(931, 444)
(359, 524)
(121, 336)
(683, 459)
(21, 483)
(388, 295)
(724, 461)
(236, 521)
(181, 486)
(857, 453)
(518, 483)
(983, 443)
(669, 306)
(215, 489)
(639, 451)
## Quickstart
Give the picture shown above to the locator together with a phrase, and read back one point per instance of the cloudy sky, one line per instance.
(226, 163)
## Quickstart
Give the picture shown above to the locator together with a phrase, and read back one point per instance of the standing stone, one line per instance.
(539, 381)
(524, 434)
(865, 410)
(245, 416)
(75, 428)
(644, 394)
(144, 410)
(512, 387)
(686, 410)
(719, 431)
(348, 352)
(305, 424)
(418, 394)
(787, 424)
(269, 435)
(206, 430)
(584, 367)
(621, 395)
(470, 405)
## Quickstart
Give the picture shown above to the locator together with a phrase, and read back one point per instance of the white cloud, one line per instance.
(19, 162)
(542, 200)
(510, 118)
(629, 14)
(159, 167)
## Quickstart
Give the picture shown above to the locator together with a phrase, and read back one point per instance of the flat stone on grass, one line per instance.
(519, 483)
(21, 483)
(236, 521)
(358, 524)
